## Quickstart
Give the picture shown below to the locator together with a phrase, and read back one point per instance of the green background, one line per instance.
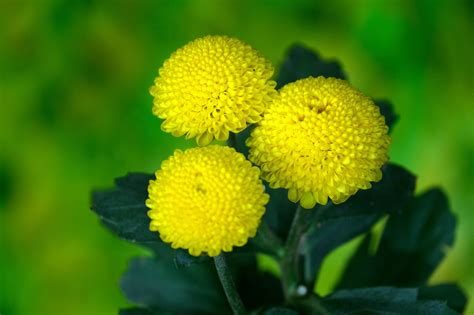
(75, 112)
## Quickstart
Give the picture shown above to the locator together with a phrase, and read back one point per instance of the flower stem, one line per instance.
(291, 260)
(268, 242)
(228, 284)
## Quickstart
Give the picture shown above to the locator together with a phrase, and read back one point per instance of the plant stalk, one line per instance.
(267, 241)
(291, 260)
(228, 284)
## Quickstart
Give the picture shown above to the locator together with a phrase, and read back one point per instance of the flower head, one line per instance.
(206, 199)
(321, 138)
(211, 86)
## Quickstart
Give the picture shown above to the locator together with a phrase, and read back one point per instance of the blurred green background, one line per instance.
(75, 113)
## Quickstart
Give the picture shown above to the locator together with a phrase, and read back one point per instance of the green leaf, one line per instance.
(267, 242)
(279, 311)
(183, 259)
(257, 244)
(256, 288)
(302, 62)
(280, 211)
(383, 300)
(122, 209)
(386, 109)
(238, 143)
(412, 245)
(390, 195)
(328, 237)
(450, 293)
(139, 311)
(160, 286)
(338, 224)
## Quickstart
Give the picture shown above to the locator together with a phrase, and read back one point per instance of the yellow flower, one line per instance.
(320, 138)
(206, 199)
(211, 86)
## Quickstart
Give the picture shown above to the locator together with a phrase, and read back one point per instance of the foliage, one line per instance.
(390, 279)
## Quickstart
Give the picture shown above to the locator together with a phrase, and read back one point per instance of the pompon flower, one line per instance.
(321, 138)
(211, 86)
(206, 199)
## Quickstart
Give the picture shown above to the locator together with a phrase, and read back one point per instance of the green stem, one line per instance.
(228, 284)
(291, 260)
(267, 241)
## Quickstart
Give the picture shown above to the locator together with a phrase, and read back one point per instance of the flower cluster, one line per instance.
(206, 199)
(320, 138)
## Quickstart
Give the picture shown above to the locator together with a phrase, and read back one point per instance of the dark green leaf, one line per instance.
(302, 62)
(196, 289)
(338, 224)
(412, 245)
(256, 288)
(450, 293)
(360, 268)
(267, 242)
(139, 311)
(159, 285)
(238, 143)
(389, 195)
(279, 311)
(386, 109)
(328, 237)
(383, 300)
(183, 259)
(137, 182)
(123, 210)
(280, 211)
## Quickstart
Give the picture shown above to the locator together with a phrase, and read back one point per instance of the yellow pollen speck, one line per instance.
(212, 86)
(321, 138)
(194, 203)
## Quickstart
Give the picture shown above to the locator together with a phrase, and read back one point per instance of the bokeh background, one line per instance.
(75, 113)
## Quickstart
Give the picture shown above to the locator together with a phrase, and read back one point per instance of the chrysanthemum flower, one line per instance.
(206, 199)
(211, 86)
(321, 138)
